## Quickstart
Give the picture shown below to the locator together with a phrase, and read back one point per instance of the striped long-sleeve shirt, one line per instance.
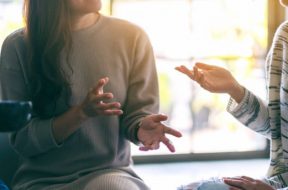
(270, 117)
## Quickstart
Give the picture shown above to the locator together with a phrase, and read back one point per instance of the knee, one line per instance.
(106, 182)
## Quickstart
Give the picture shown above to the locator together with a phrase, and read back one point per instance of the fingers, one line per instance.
(198, 76)
(151, 146)
(156, 145)
(242, 178)
(248, 178)
(242, 182)
(183, 69)
(152, 132)
(166, 141)
(234, 182)
(98, 89)
(144, 148)
(109, 108)
(112, 112)
(171, 131)
(168, 144)
(195, 74)
(158, 117)
(100, 97)
(198, 65)
(94, 103)
(204, 66)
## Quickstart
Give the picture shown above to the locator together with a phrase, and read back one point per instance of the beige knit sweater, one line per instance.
(112, 47)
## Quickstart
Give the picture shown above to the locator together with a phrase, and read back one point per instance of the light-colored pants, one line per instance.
(218, 184)
(210, 184)
(109, 179)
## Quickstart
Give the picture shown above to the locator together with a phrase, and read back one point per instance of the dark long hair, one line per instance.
(48, 36)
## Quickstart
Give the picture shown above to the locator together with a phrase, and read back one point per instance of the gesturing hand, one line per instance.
(94, 104)
(214, 79)
(210, 77)
(246, 183)
(152, 132)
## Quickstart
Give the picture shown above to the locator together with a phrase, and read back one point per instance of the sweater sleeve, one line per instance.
(142, 95)
(252, 112)
(35, 137)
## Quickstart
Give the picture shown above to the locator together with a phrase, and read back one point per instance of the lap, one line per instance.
(106, 180)
(115, 181)
(210, 184)
(109, 179)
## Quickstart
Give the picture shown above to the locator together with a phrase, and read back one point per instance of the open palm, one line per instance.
(212, 78)
(152, 132)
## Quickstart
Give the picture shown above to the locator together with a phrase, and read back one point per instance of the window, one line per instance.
(10, 17)
(228, 33)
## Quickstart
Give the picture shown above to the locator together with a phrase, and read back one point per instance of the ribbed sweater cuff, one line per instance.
(233, 107)
(42, 135)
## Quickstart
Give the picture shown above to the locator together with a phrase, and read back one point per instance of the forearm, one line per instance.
(67, 123)
(40, 136)
(252, 112)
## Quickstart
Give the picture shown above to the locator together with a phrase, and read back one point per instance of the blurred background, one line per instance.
(229, 33)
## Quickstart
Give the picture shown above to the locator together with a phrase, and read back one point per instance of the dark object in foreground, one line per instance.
(13, 115)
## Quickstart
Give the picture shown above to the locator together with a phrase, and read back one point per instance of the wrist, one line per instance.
(80, 113)
(237, 92)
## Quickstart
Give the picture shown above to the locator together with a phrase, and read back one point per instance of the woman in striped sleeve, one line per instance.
(270, 118)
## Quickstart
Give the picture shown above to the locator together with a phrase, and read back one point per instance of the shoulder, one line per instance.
(281, 33)
(15, 37)
(12, 50)
(283, 27)
(13, 41)
(123, 26)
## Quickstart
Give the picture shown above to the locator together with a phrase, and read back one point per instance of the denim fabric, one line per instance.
(3, 186)
(211, 184)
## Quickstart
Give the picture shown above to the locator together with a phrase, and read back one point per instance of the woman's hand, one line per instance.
(214, 79)
(152, 132)
(94, 104)
(246, 183)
